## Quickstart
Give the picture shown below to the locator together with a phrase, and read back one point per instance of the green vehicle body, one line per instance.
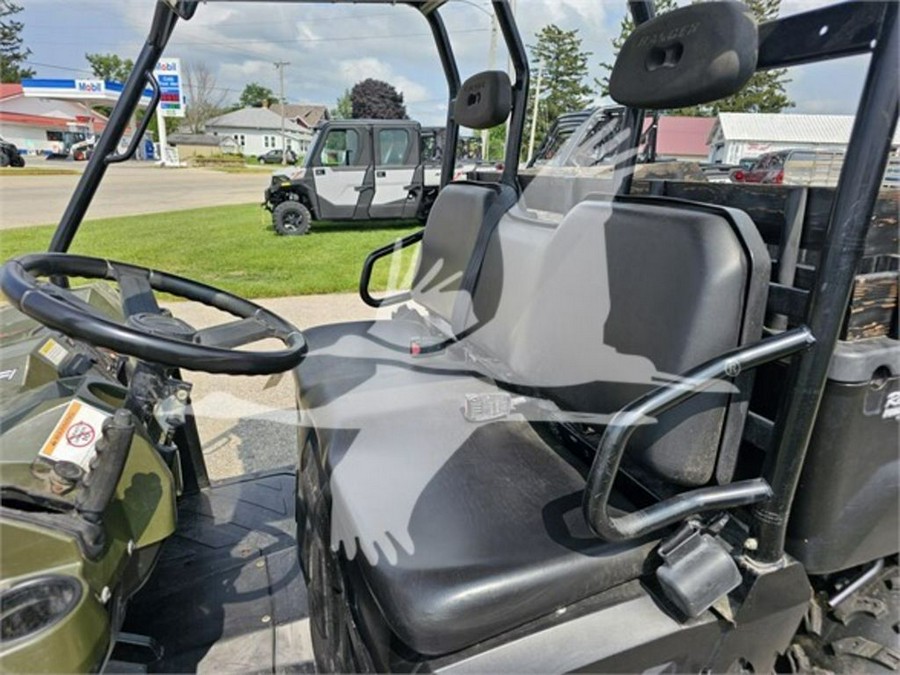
(34, 396)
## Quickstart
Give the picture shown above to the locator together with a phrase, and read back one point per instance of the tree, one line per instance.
(110, 66)
(256, 95)
(12, 53)
(374, 99)
(204, 99)
(563, 67)
(764, 93)
(343, 110)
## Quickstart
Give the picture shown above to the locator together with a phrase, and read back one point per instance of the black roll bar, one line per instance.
(517, 54)
(595, 504)
(164, 19)
(633, 118)
(857, 191)
(142, 129)
(451, 73)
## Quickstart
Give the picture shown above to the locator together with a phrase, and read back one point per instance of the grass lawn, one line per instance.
(232, 247)
(259, 170)
(30, 171)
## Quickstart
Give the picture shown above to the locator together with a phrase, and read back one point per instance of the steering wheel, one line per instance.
(149, 333)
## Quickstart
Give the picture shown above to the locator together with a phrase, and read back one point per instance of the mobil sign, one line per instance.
(89, 86)
(171, 96)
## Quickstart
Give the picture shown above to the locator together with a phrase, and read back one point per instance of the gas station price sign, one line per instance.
(171, 97)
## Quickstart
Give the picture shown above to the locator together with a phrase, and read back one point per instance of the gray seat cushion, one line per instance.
(461, 531)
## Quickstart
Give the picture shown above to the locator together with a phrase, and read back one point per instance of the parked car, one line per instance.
(798, 166)
(274, 157)
(81, 152)
(9, 154)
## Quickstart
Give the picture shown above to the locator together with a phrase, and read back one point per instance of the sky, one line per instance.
(330, 47)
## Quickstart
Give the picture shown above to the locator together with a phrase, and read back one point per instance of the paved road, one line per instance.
(249, 423)
(126, 189)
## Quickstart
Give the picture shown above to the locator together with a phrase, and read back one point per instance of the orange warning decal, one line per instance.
(75, 436)
(61, 427)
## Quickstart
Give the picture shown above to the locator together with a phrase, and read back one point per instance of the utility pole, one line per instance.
(280, 66)
(534, 113)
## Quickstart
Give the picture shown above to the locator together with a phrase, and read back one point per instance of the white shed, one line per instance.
(736, 136)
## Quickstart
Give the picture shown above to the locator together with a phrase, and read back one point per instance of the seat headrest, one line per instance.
(484, 100)
(689, 56)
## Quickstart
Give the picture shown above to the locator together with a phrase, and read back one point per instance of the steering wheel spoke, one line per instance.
(137, 293)
(235, 333)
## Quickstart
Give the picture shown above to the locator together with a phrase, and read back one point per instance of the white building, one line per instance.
(258, 130)
(736, 136)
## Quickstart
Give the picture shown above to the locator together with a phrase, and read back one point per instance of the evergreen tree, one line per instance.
(765, 92)
(12, 52)
(563, 67)
(374, 99)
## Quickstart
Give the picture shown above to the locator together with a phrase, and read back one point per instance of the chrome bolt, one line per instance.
(751, 544)
(105, 595)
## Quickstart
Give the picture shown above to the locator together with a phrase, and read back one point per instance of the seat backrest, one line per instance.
(451, 235)
(616, 298)
(464, 215)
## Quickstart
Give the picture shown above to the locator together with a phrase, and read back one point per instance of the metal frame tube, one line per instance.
(164, 20)
(601, 478)
(451, 73)
(848, 224)
(641, 12)
(516, 49)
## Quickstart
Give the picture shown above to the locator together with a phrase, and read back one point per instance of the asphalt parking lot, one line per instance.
(127, 189)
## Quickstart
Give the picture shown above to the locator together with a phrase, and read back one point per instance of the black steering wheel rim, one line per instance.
(56, 308)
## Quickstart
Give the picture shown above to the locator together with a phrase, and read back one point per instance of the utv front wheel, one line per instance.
(291, 218)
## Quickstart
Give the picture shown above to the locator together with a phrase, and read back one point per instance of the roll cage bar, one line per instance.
(857, 28)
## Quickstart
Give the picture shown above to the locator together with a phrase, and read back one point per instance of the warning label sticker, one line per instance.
(75, 435)
(54, 352)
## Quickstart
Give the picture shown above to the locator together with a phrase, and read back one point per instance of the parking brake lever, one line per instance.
(111, 452)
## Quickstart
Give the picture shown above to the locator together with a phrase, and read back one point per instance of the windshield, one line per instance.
(311, 153)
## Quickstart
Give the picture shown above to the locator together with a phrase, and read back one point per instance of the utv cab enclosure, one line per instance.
(358, 170)
(649, 430)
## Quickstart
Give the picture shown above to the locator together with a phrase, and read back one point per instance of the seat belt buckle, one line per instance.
(487, 407)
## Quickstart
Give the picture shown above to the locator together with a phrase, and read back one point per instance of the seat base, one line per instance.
(460, 530)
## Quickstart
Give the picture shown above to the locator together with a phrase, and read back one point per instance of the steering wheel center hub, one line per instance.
(162, 325)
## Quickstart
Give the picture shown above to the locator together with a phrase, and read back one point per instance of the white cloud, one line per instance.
(330, 46)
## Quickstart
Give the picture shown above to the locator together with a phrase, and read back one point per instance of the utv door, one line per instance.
(339, 172)
(398, 174)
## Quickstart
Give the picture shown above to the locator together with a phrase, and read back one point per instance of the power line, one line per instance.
(223, 43)
(267, 22)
